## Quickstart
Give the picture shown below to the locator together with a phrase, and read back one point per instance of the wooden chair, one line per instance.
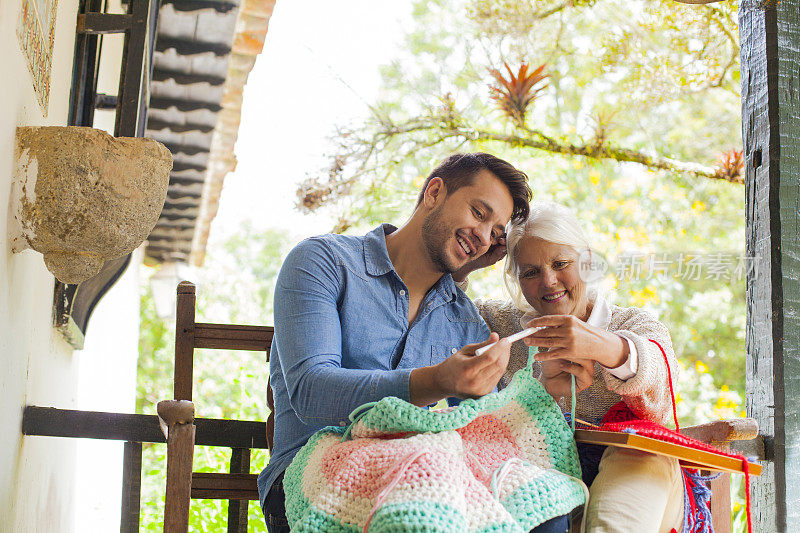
(239, 486)
(177, 418)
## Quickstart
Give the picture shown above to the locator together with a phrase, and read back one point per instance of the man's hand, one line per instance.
(557, 376)
(494, 254)
(462, 375)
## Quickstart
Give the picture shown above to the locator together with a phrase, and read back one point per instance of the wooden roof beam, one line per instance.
(186, 47)
(160, 125)
(220, 6)
(186, 78)
(183, 105)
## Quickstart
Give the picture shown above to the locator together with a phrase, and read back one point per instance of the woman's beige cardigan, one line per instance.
(646, 393)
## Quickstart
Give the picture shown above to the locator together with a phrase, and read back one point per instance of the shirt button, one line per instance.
(453, 350)
(402, 292)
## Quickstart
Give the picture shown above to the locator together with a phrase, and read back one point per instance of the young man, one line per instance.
(361, 318)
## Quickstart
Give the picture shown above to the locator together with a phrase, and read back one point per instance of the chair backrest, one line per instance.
(190, 335)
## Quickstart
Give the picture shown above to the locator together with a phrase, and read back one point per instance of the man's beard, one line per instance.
(435, 235)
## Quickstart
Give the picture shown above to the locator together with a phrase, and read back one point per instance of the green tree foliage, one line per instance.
(652, 77)
(235, 286)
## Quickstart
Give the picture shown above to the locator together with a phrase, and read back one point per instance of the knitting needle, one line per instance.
(511, 338)
(579, 421)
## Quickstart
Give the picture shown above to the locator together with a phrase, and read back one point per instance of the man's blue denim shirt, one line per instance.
(342, 336)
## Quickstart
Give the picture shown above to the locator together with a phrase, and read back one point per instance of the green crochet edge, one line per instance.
(416, 517)
(563, 495)
(428, 517)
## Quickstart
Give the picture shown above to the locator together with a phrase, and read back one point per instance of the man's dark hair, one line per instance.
(459, 170)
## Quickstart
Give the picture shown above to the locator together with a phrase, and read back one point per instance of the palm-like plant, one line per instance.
(729, 166)
(515, 94)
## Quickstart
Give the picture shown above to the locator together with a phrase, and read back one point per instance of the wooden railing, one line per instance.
(135, 429)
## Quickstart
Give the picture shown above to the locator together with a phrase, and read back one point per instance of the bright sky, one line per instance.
(319, 69)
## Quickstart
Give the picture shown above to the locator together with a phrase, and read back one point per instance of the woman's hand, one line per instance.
(557, 376)
(494, 254)
(569, 338)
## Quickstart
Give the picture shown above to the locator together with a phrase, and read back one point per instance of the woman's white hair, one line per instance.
(550, 222)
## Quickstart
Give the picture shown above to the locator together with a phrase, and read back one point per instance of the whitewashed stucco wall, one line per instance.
(107, 382)
(38, 475)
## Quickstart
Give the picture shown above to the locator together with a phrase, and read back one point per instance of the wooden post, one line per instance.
(770, 53)
(184, 341)
(131, 487)
(135, 70)
(237, 509)
(720, 503)
(177, 419)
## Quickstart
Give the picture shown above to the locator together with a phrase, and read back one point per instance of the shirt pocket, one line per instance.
(440, 352)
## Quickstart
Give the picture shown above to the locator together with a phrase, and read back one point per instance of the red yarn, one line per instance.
(746, 468)
(669, 382)
(648, 428)
(692, 502)
(620, 418)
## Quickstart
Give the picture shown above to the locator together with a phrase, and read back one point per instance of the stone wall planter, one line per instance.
(82, 197)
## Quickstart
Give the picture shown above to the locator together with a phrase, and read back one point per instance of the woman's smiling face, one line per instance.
(549, 277)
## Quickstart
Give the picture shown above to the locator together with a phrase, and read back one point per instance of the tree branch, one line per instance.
(602, 151)
(364, 153)
(539, 141)
(698, 2)
(552, 11)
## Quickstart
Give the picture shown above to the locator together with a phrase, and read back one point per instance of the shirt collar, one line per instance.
(446, 287)
(376, 256)
(377, 262)
(600, 317)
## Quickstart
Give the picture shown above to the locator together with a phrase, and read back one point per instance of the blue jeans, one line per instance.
(559, 524)
(275, 508)
(275, 513)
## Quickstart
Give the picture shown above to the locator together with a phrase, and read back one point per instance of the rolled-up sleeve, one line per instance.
(648, 392)
(309, 331)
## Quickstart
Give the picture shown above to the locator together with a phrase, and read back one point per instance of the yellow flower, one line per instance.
(701, 367)
(644, 296)
(594, 177)
(698, 206)
(724, 403)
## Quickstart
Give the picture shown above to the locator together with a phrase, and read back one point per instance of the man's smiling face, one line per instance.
(467, 222)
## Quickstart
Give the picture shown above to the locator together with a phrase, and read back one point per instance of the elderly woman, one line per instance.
(608, 350)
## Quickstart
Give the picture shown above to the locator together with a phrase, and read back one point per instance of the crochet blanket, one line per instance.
(506, 462)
